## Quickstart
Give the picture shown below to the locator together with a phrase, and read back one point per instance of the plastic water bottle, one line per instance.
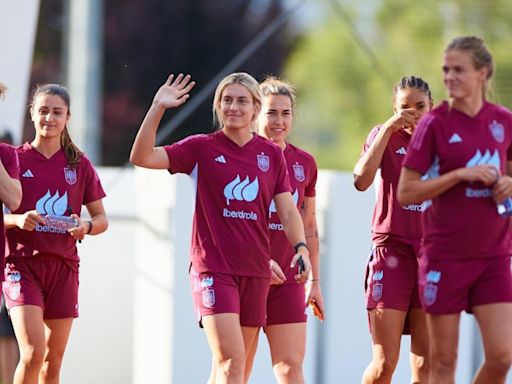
(505, 207)
(61, 222)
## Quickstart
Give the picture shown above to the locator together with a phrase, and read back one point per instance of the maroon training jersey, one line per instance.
(302, 172)
(463, 222)
(392, 222)
(234, 187)
(9, 159)
(51, 188)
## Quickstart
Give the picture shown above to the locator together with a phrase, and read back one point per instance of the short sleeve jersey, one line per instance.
(234, 187)
(393, 223)
(9, 159)
(51, 188)
(302, 171)
(463, 222)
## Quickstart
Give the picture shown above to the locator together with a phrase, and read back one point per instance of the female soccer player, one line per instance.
(465, 263)
(236, 174)
(392, 298)
(10, 195)
(41, 287)
(286, 302)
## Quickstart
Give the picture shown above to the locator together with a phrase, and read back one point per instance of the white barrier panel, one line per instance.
(137, 323)
(18, 24)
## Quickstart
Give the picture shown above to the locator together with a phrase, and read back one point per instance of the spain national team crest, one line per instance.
(498, 131)
(70, 175)
(430, 294)
(12, 286)
(377, 291)
(208, 297)
(298, 171)
(263, 162)
(377, 286)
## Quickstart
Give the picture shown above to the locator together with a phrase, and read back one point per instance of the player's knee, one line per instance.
(444, 363)
(499, 363)
(289, 367)
(230, 366)
(385, 366)
(32, 356)
(51, 368)
(420, 362)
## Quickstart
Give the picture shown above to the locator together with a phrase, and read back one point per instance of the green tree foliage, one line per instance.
(342, 94)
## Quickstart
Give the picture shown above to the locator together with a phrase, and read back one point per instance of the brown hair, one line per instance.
(274, 86)
(71, 151)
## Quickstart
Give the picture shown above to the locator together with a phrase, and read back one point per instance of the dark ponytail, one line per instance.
(71, 151)
(412, 82)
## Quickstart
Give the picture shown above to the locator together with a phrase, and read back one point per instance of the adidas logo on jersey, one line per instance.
(221, 159)
(28, 173)
(401, 151)
(455, 139)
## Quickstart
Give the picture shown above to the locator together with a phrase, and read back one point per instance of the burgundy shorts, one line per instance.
(392, 278)
(286, 304)
(47, 281)
(215, 293)
(451, 286)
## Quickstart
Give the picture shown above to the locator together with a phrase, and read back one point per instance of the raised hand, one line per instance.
(405, 118)
(174, 91)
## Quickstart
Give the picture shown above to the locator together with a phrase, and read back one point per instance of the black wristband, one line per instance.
(300, 244)
(90, 227)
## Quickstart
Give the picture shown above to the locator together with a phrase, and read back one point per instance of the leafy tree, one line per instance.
(343, 92)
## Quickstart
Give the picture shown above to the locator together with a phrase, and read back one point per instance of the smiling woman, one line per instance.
(236, 174)
(41, 288)
(236, 106)
(392, 298)
(285, 325)
(465, 263)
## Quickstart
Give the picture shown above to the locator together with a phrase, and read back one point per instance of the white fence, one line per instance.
(137, 324)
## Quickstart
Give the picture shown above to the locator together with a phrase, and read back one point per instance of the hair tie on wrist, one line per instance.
(90, 227)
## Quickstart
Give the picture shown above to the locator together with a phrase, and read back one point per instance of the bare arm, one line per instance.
(314, 291)
(170, 95)
(10, 189)
(368, 164)
(412, 189)
(98, 223)
(308, 214)
(294, 229)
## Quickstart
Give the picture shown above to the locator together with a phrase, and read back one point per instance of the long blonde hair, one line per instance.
(71, 151)
(241, 78)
